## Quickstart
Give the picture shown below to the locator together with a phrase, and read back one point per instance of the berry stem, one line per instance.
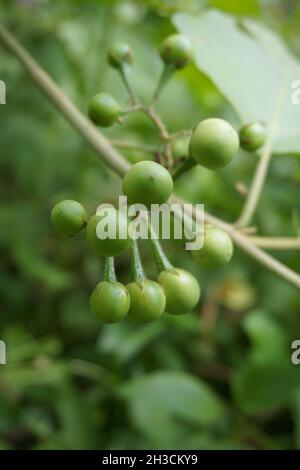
(187, 164)
(109, 269)
(125, 75)
(161, 259)
(136, 264)
(164, 78)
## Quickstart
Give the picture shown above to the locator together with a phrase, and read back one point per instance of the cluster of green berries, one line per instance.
(213, 143)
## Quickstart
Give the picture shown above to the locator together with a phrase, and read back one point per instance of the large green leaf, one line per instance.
(267, 379)
(167, 406)
(252, 67)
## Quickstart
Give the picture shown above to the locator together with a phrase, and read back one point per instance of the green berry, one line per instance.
(176, 50)
(252, 136)
(217, 249)
(181, 289)
(119, 54)
(103, 110)
(110, 301)
(108, 221)
(180, 148)
(147, 301)
(213, 143)
(68, 217)
(147, 183)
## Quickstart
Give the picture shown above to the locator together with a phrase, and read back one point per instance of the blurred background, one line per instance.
(219, 377)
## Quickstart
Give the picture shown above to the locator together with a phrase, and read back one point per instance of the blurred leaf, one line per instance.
(253, 69)
(165, 405)
(267, 380)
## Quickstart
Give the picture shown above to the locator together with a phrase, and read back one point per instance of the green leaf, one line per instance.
(267, 380)
(167, 405)
(246, 7)
(252, 67)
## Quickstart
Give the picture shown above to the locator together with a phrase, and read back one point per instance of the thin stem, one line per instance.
(114, 159)
(186, 165)
(184, 132)
(136, 264)
(125, 75)
(81, 123)
(164, 78)
(129, 110)
(276, 243)
(263, 164)
(150, 112)
(161, 259)
(245, 244)
(109, 269)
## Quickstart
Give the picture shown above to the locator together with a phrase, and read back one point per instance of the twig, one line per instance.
(276, 243)
(115, 160)
(246, 244)
(96, 140)
(263, 165)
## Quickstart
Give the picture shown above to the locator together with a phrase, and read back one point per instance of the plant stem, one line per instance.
(114, 159)
(136, 264)
(161, 260)
(125, 76)
(245, 243)
(187, 164)
(109, 269)
(81, 123)
(276, 243)
(263, 165)
(164, 78)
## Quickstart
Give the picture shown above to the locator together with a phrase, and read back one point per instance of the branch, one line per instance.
(99, 143)
(115, 160)
(263, 165)
(276, 243)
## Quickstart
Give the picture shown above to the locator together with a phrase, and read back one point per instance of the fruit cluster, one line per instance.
(213, 143)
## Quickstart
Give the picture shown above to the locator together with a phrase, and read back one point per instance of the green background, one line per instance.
(219, 377)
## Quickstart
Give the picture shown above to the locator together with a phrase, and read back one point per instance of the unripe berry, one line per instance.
(147, 183)
(68, 217)
(147, 301)
(103, 110)
(213, 143)
(110, 301)
(105, 220)
(181, 289)
(252, 136)
(217, 249)
(176, 50)
(119, 54)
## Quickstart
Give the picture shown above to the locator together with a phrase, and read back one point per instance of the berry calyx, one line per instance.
(120, 54)
(217, 249)
(110, 301)
(214, 143)
(176, 50)
(181, 289)
(103, 110)
(68, 217)
(252, 136)
(147, 301)
(147, 183)
(107, 232)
